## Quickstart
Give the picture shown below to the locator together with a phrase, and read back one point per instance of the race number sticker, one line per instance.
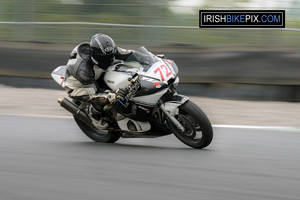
(163, 71)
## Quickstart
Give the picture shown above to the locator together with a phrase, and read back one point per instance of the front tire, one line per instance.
(195, 122)
(98, 135)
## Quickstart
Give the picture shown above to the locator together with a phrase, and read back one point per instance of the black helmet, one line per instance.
(102, 50)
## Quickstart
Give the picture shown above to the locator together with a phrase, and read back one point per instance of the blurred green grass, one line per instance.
(127, 12)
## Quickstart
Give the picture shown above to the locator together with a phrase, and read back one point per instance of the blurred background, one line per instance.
(256, 64)
(236, 76)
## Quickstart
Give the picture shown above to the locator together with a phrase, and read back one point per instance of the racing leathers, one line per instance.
(82, 77)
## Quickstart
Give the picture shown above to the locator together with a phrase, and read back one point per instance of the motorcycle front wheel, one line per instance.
(198, 131)
(96, 134)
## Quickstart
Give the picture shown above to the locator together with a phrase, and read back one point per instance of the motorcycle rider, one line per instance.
(85, 69)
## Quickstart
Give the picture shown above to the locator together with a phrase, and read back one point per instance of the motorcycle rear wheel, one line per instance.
(98, 135)
(195, 122)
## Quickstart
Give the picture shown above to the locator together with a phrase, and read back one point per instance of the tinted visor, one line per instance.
(104, 60)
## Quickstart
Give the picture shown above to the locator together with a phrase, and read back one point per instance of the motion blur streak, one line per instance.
(51, 159)
(154, 14)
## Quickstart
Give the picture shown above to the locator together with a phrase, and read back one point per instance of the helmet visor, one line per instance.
(103, 60)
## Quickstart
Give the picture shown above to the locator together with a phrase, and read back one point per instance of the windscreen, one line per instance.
(141, 59)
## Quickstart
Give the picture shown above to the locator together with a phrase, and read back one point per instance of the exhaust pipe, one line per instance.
(73, 108)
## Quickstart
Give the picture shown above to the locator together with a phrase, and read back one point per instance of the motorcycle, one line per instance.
(152, 107)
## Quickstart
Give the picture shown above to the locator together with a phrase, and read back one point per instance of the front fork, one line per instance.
(169, 109)
(172, 118)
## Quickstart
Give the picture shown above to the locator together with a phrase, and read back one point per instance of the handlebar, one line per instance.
(132, 88)
(133, 78)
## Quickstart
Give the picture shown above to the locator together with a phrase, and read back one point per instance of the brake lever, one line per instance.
(132, 89)
(134, 86)
(133, 78)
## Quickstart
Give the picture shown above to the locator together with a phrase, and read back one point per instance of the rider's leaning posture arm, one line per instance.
(85, 66)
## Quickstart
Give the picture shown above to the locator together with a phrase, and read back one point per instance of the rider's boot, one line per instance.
(98, 101)
(98, 121)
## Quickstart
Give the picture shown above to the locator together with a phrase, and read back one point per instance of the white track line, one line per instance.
(278, 128)
(247, 126)
(283, 128)
(43, 116)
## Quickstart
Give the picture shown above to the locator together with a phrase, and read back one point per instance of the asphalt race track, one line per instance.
(49, 158)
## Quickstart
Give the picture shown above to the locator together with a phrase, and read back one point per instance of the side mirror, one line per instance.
(161, 56)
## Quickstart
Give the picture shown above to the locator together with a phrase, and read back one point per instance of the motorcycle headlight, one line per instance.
(176, 82)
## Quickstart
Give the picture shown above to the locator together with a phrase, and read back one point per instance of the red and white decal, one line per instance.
(157, 84)
(163, 71)
(62, 81)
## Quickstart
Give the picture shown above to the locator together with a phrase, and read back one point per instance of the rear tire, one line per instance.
(195, 121)
(98, 135)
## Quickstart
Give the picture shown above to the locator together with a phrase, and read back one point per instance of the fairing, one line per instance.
(155, 73)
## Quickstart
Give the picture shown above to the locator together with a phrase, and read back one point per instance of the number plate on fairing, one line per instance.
(161, 71)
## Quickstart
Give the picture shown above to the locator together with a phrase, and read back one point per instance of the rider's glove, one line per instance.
(102, 99)
(121, 94)
(111, 97)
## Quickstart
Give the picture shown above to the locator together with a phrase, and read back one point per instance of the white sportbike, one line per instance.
(152, 107)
